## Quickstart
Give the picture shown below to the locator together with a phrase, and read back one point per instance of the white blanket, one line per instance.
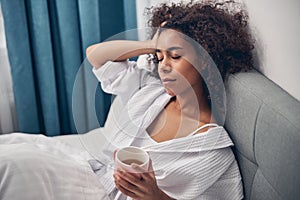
(37, 167)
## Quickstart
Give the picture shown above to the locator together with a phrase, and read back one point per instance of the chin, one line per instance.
(170, 92)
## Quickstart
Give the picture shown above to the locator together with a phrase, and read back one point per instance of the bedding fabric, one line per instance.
(35, 167)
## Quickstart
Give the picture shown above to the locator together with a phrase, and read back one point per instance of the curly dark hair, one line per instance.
(222, 30)
(219, 28)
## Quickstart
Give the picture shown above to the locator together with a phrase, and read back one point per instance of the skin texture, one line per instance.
(174, 54)
(182, 81)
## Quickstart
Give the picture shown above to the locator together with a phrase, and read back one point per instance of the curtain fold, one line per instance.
(46, 42)
(8, 122)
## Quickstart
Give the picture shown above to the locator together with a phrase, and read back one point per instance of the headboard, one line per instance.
(264, 122)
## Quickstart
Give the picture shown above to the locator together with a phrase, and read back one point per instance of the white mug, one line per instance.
(124, 157)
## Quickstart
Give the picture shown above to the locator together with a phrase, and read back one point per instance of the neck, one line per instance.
(193, 103)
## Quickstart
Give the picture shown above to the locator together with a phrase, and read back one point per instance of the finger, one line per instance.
(124, 191)
(138, 169)
(128, 186)
(141, 172)
(156, 35)
(163, 24)
(145, 174)
(151, 170)
(131, 178)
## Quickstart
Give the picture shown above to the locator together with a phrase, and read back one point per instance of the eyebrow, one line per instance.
(170, 49)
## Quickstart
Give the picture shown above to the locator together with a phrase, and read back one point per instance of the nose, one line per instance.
(164, 66)
(165, 69)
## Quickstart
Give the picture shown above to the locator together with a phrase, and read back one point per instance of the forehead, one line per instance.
(171, 38)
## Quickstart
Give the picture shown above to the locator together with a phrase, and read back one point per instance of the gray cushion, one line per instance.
(264, 123)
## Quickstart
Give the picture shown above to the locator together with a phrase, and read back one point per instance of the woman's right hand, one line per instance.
(156, 35)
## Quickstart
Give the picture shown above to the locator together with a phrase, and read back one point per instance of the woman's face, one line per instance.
(176, 57)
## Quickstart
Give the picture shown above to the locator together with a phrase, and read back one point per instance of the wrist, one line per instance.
(150, 45)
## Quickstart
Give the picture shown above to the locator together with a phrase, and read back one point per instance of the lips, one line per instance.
(167, 80)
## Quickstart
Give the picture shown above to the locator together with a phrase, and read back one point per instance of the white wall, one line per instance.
(142, 19)
(277, 29)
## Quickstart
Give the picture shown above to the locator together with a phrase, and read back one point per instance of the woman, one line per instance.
(183, 113)
(175, 112)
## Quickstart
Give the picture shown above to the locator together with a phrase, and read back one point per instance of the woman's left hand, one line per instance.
(141, 185)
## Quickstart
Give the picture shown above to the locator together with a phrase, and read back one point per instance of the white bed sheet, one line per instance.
(38, 167)
(92, 141)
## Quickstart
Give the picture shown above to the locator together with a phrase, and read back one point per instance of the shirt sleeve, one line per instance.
(123, 78)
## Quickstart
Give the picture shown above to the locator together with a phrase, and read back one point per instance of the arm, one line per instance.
(117, 50)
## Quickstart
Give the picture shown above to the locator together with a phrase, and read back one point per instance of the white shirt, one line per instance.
(201, 166)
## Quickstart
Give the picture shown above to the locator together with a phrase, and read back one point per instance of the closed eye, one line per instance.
(160, 58)
(171, 54)
(176, 57)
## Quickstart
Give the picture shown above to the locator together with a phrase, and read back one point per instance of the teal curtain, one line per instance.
(46, 41)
